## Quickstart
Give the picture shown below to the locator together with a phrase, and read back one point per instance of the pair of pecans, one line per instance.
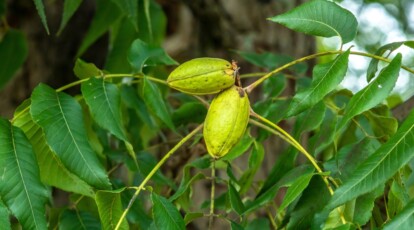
(228, 114)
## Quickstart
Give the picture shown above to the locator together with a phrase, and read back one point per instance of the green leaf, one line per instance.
(129, 8)
(78, 220)
(265, 60)
(189, 217)
(106, 14)
(255, 161)
(188, 113)
(166, 216)
(61, 118)
(154, 101)
(259, 223)
(41, 11)
(4, 217)
(52, 170)
(142, 54)
(110, 209)
(152, 22)
(13, 54)
(320, 18)
(69, 8)
(373, 64)
(133, 100)
(240, 148)
(374, 93)
(122, 36)
(286, 181)
(20, 186)
(364, 206)
(84, 70)
(235, 200)
(383, 126)
(403, 220)
(377, 168)
(315, 114)
(326, 77)
(295, 189)
(186, 182)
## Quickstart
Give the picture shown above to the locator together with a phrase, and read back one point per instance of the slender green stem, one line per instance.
(249, 88)
(250, 75)
(213, 186)
(154, 170)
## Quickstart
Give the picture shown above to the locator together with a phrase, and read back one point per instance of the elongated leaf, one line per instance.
(20, 186)
(60, 116)
(78, 220)
(326, 77)
(129, 8)
(166, 216)
(373, 64)
(41, 11)
(320, 18)
(69, 8)
(154, 101)
(259, 223)
(84, 70)
(374, 93)
(240, 148)
(52, 170)
(377, 168)
(13, 53)
(295, 189)
(403, 220)
(255, 161)
(110, 209)
(189, 217)
(235, 200)
(4, 217)
(142, 54)
(364, 206)
(106, 14)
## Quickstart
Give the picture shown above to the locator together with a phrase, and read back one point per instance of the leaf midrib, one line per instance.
(314, 21)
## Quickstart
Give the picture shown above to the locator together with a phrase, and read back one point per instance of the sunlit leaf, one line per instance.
(20, 185)
(142, 54)
(295, 189)
(326, 78)
(69, 8)
(189, 217)
(13, 53)
(106, 14)
(166, 216)
(52, 170)
(110, 209)
(41, 11)
(374, 93)
(61, 119)
(377, 168)
(320, 18)
(84, 70)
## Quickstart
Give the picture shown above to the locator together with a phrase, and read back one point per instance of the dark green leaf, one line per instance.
(295, 189)
(324, 136)
(398, 197)
(52, 170)
(166, 216)
(286, 181)
(403, 220)
(61, 118)
(20, 186)
(4, 217)
(154, 101)
(383, 126)
(240, 148)
(78, 220)
(152, 22)
(274, 86)
(364, 206)
(133, 100)
(314, 114)
(265, 60)
(129, 8)
(326, 77)
(235, 200)
(189, 217)
(41, 11)
(122, 37)
(259, 223)
(374, 93)
(235, 226)
(255, 161)
(146, 162)
(2, 7)
(142, 54)
(320, 18)
(13, 54)
(186, 182)
(188, 113)
(106, 14)
(69, 8)
(373, 64)
(110, 209)
(378, 168)
(84, 70)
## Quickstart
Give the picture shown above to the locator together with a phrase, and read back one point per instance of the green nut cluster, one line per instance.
(202, 76)
(226, 121)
